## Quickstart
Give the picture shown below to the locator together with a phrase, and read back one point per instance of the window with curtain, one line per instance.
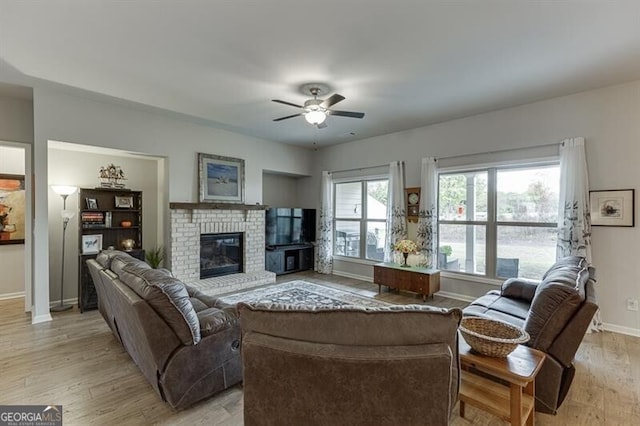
(499, 222)
(360, 211)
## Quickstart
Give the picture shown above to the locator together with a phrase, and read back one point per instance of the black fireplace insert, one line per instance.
(220, 254)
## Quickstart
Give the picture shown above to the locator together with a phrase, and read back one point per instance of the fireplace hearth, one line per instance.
(221, 254)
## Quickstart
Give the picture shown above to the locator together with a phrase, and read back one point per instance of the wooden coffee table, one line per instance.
(514, 403)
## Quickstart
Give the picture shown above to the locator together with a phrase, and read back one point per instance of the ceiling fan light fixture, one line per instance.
(315, 117)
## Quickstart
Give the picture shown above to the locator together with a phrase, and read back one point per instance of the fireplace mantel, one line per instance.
(218, 206)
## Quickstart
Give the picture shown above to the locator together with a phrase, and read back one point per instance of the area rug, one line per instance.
(301, 292)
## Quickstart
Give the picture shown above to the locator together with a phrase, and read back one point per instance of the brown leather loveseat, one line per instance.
(556, 313)
(184, 344)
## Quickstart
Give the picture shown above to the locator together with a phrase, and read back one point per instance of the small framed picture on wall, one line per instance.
(612, 208)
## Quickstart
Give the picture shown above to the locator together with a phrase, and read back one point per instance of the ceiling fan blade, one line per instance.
(322, 125)
(332, 100)
(346, 114)
(288, 116)
(286, 103)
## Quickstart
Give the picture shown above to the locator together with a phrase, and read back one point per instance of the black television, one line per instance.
(287, 226)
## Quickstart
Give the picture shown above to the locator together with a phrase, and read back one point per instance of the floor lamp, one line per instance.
(64, 192)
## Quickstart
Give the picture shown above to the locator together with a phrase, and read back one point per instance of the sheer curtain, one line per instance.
(427, 216)
(574, 220)
(325, 240)
(396, 215)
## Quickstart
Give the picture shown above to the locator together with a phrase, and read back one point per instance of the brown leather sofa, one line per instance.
(185, 345)
(556, 313)
(308, 365)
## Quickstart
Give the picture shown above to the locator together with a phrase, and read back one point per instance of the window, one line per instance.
(360, 218)
(500, 221)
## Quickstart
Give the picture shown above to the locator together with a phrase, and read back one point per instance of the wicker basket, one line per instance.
(490, 337)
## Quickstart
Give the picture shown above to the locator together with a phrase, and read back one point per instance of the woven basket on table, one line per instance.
(490, 337)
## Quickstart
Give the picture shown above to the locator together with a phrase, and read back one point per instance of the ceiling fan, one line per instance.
(315, 110)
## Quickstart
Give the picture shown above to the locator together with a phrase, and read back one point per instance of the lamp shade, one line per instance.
(64, 189)
(315, 117)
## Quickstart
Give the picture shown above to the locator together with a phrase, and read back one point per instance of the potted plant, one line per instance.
(155, 256)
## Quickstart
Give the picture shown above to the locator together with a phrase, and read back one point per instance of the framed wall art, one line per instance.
(221, 179)
(12, 209)
(612, 208)
(123, 202)
(91, 244)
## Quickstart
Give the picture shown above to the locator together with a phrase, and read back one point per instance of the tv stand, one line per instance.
(289, 258)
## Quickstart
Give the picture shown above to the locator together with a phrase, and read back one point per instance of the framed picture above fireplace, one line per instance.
(221, 179)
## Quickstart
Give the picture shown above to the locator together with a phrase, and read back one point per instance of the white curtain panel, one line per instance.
(324, 263)
(574, 220)
(427, 217)
(396, 214)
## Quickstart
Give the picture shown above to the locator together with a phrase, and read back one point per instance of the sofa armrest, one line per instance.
(194, 293)
(519, 288)
(213, 320)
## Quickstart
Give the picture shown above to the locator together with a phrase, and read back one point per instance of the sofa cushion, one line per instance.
(105, 257)
(166, 295)
(351, 325)
(492, 305)
(557, 298)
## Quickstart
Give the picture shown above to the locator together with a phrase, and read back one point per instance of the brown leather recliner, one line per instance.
(185, 345)
(556, 313)
(349, 365)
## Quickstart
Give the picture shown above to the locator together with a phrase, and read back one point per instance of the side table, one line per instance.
(414, 278)
(514, 403)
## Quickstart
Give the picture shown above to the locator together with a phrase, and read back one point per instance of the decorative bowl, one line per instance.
(490, 337)
(126, 223)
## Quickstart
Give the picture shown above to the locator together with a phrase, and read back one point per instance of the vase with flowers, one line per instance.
(405, 247)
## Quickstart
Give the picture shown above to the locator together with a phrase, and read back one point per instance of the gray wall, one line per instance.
(279, 190)
(16, 125)
(81, 169)
(68, 117)
(607, 118)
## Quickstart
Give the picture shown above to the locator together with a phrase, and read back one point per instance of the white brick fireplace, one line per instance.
(190, 220)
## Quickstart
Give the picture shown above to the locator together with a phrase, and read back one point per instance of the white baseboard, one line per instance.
(41, 318)
(354, 276)
(456, 296)
(621, 329)
(7, 296)
(72, 301)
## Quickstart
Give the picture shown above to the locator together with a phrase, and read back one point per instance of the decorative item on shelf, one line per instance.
(405, 247)
(128, 244)
(111, 177)
(91, 244)
(491, 337)
(126, 223)
(123, 202)
(92, 203)
(413, 203)
(64, 191)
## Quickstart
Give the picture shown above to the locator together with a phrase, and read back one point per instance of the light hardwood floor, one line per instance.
(75, 361)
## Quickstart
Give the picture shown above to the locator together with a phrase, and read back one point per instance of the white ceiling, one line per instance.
(406, 64)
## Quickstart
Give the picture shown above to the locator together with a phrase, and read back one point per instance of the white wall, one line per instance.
(608, 118)
(65, 117)
(12, 261)
(81, 169)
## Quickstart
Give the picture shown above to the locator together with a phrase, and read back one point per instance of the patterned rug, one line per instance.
(300, 292)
